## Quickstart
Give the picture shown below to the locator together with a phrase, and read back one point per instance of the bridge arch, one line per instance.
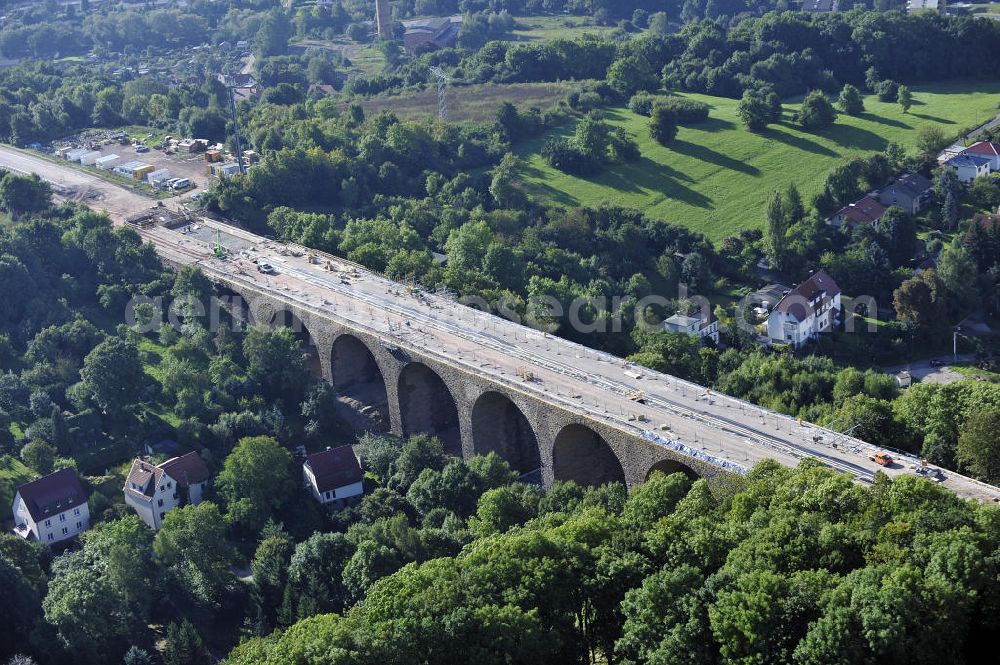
(499, 426)
(359, 383)
(286, 318)
(582, 455)
(669, 466)
(426, 406)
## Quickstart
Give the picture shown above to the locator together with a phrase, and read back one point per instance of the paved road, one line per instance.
(675, 412)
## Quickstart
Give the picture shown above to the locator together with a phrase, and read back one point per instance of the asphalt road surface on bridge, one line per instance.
(568, 375)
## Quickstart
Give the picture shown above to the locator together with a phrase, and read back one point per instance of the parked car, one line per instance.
(141, 148)
(930, 473)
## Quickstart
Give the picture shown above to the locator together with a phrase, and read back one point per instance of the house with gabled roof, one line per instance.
(866, 211)
(910, 191)
(334, 476)
(986, 149)
(52, 508)
(811, 308)
(153, 491)
(969, 166)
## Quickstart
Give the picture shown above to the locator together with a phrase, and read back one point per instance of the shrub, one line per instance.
(851, 101)
(565, 156)
(816, 111)
(687, 111)
(663, 125)
(642, 103)
(887, 90)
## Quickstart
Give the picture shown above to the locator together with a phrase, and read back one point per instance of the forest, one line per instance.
(450, 560)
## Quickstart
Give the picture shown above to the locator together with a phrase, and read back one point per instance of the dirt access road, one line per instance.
(74, 185)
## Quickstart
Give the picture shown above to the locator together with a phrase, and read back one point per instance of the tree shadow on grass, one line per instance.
(538, 184)
(932, 118)
(647, 176)
(800, 142)
(711, 125)
(856, 137)
(871, 117)
(705, 154)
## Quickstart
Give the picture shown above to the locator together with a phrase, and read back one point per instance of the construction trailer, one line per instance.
(90, 158)
(75, 154)
(224, 170)
(135, 170)
(158, 177)
(106, 162)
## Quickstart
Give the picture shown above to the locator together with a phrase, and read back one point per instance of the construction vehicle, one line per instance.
(637, 396)
(218, 249)
(882, 458)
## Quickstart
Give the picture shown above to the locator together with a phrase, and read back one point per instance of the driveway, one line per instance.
(922, 370)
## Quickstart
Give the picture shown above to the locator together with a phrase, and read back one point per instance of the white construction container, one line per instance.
(75, 154)
(106, 162)
(90, 158)
(158, 177)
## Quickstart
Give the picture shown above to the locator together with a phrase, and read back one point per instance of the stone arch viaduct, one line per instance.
(405, 390)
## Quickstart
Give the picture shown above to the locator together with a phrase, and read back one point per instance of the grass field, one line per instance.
(992, 8)
(541, 28)
(716, 176)
(473, 103)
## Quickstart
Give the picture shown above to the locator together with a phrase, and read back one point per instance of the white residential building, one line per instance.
(153, 491)
(52, 508)
(969, 166)
(986, 149)
(807, 310)
(703, 327)
(334, 476)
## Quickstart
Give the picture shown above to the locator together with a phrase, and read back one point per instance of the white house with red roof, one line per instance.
(811, 308)
(153, 491)
(52, 508)
(334, 476)
(986, 149)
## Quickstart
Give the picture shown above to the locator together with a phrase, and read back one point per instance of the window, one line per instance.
(159, 503)
(62, 517)
(50, 536)
(79, 525)
(169, 485)
(76, 511)
(48, 522)
(65, 531)
(329, 495)
(161, 515)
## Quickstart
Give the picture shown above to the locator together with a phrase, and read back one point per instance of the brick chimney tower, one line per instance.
(383, 19)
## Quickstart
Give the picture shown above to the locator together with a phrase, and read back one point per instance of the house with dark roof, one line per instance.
(910, 191)
(811, 308)
(334, 476)
(153, 491)
(52, 508)
(863, 212)
(969, 166)
(988, 150)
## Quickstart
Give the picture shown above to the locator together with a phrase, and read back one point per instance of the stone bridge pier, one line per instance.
(388, 385)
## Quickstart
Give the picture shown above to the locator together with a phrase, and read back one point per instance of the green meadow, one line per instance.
(716, 176)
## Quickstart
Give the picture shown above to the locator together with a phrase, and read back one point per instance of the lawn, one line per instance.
(715, 177)
(541, 28)
(473, 103)
(992, 8)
